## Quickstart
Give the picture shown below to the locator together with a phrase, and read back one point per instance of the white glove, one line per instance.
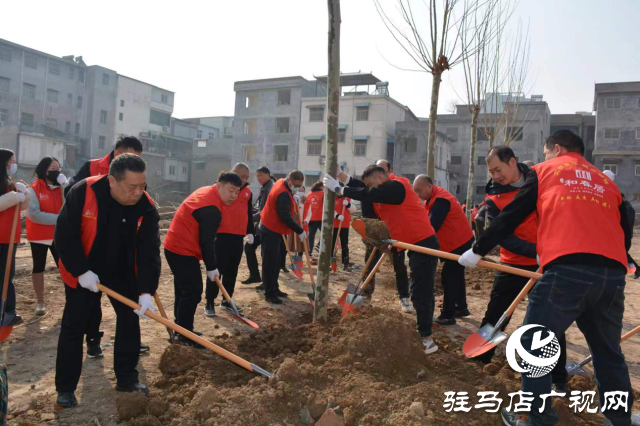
(62, 179)
(21, 196)
(213, 274)
(89, 280)
(345, 202)
(296, 198)
(146, 304)
(331, 184)
(21, 187)
(340, 217)
(469, 259)
(249, 238)
(303, 236)
(538, 259)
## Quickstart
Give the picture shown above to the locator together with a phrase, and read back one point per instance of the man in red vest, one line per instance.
(236, 225)
(107, 232)
(276, 219)
(192, 238)
(455, 236)
(401, 210)
(582, 240)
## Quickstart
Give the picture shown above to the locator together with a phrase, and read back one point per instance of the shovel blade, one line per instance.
(334, 265)
(482, 341)
(241, 318)
(359, 227)
(575, 369)
(5, 332)
(296, 267)
(351, 289)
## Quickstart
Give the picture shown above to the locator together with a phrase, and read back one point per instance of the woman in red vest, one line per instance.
(11, 194)
(343, 229)
(42, 214)
(313, 213)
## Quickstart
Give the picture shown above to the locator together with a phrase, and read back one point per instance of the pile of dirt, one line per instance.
(166, 216)
(365, 369)
(376, 229)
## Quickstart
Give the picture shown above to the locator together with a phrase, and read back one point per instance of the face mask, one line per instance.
(13, 169)
(295, 189)
(53, 176)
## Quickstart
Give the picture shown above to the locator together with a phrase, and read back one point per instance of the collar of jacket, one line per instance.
(495, 188)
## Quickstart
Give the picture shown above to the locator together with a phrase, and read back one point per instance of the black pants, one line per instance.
(10, 305)
(39, 256)
(77, 313)
(187, 286)
(252, 259)
(344, 243)
(314, 227)
(453, 283)
(505, 289)
(272, 248)
(399, 267)
(423, 277)
(229, 255)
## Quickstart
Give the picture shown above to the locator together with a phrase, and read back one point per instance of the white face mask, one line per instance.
(295, 189)
(13, 169)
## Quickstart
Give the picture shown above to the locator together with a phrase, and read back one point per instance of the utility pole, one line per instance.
(331, 164)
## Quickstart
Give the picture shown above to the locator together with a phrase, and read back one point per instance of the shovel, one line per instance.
(233, 309)
(186, 333)
(351, 288)
(312, 295)
(334, 263)
(5, 330)
(574, 368)
(354, 301)
(156, 297)
(490, 336)
(296, 261)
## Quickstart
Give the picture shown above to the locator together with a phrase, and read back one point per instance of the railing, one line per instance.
(47, 130)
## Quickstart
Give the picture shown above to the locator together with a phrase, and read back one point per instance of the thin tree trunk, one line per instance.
(472, 160)
(331, 165)
(433, 117)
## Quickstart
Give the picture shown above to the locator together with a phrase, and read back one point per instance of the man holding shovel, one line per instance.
(582, 240)
(107, 232)
(401, 210)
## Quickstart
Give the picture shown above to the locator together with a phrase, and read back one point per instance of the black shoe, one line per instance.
(136, 387)
(93, 349)
(143, 348)
(260, 287)
(252, 280)
(560, 387)
(209, 310)
(637, 275)
(274, 300)
(11, 319)
(227, 305)
(285, 270)
(512, 418)
(461, 313)
(445, 321)
(187, 342)
(66, 400)
(282, 294)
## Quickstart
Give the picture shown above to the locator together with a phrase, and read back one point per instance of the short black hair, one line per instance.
(296, 175)
(128, 142)
(264, 169)
(126, 162)
(566, 139)
(503, 152)
(230, 177)
(387, 162)
(371, 170)
(43, 165)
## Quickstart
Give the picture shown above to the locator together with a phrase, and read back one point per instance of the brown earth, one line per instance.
(369, 367)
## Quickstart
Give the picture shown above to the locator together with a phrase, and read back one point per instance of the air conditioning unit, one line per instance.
(165, 128)
(322, 159)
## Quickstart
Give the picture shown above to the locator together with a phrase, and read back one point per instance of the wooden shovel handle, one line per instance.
(175, 327)
(371, 256)
(522, 294)
(156, 297)
(286, 246)
(483, 263)
(335, 245)
(223, 290)
(306, 253)
(629, 334)
(375, 269)
(7, 270)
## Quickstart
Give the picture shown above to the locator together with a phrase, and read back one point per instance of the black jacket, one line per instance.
(390, 192)
(119, 246)
(262, 199)
(83, 173)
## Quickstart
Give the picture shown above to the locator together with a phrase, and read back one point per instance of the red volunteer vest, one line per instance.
(474, 213)
(6, 219)
(315, 202)
(455, 230)
(577, 211)
(527, 231)
(408, 222)
(50, 202)
(269, 215)
(100, 166)
(183, 237)
(347, 214)
(89, 229)
(235, 218)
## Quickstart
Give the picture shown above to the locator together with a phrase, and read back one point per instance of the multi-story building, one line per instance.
(617, 142)
(582, 124)
(224, 124)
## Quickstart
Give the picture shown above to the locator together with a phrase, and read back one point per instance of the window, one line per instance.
(483, 133)
(248, 153)
(159, 118)
(28, 91)
(458, 189)
(79, 103)
(612, 134)
(410, 145)
(611, 167)
(360, 148)
(342, 135)
(77, 131)
(638, 133)
(121, 117)
(314, 147)
(52, 96)
(250, 126)
(69, 100)
(72, 73)
(4, 117)
(81, 76)
(212, 135)
(105, 79)
(101, 140)
(4, 84)
(251, 100)
(54, 68)
(172, 170)
(52, 122)
(514, 133)
(316, 114)
(103, 117)
(452, 132)
(410, 176)
(5, 53)
(480, 189)
(362, 113)
(282, 125)
(199, 134)
(309, 180)
(201, 166)
(481, 160)
(31, 61)
(202, 144)
(637, 165)
(184, 170)
(164, 98)
(284, 97)
(121, 102)
(26, 119)
(456, 160)
(67, 127)
(613, 103)
(280, 152)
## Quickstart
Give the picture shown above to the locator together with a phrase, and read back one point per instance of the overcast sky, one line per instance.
(199, 48)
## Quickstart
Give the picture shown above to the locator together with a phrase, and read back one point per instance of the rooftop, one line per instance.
(353, 79)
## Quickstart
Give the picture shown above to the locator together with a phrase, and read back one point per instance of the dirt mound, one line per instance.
(376, 229)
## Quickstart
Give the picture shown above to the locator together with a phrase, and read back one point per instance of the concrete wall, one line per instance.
(209, 161)
(100, 97)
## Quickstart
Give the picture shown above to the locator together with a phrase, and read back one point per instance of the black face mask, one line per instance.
(53, 177)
